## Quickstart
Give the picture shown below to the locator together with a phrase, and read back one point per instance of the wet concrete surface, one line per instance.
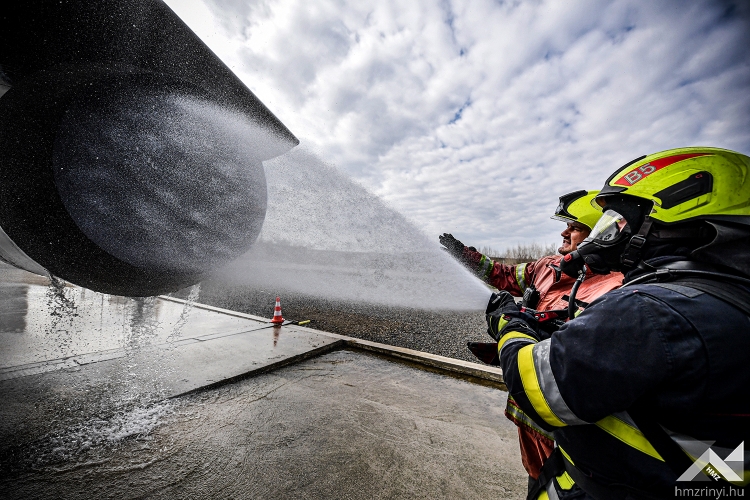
(48, 328)
(68, 354)
(343, 425)
(112, 397)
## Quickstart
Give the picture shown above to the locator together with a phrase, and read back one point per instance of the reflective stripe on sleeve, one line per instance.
(564, 481)
(512, 337)
(485, 266)
(622, 427)
(549, 387)
(521, 277)
(541, 388)
(551, 491)
(531, 386)
(520, 418)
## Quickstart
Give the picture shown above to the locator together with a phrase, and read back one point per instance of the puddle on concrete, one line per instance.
(43, 322)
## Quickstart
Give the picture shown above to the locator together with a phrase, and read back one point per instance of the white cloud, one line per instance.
(472, 116)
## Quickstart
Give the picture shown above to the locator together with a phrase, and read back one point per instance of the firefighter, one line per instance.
(541, 283)
(545, 288)
(639, 385)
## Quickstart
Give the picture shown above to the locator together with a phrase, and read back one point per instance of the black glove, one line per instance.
(502, 301)
(454, 247)
(485, 351)
(503, 315)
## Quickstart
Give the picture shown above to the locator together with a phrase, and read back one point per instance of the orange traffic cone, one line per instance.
(277, 319)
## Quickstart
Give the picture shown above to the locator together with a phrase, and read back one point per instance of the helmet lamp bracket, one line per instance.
(694, 186)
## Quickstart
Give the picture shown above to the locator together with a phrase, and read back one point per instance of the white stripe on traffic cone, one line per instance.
(277, 319)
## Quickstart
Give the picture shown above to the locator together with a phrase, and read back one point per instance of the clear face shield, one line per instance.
(609, 229)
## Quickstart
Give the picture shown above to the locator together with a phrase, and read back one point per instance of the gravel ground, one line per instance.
(438, 332)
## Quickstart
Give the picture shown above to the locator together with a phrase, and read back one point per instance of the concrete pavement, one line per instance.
(124, 398)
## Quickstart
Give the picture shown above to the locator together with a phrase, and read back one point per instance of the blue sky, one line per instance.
(473, 116)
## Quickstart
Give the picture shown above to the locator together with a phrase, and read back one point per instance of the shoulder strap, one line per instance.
(553, 467)
(735, 295)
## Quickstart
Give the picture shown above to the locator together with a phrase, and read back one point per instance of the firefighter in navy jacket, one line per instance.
(638, 383)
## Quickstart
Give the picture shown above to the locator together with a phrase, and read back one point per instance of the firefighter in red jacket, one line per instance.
(544, 288)
(540, 282)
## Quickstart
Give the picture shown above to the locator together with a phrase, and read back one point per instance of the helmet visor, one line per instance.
(609, 227)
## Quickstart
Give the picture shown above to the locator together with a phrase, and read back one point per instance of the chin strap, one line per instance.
(632, 253)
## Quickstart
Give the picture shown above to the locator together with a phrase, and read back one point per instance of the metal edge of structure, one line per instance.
(425, 360)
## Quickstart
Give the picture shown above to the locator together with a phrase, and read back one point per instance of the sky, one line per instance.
(473, 116)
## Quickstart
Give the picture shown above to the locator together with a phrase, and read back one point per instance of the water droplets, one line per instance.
(62, 310)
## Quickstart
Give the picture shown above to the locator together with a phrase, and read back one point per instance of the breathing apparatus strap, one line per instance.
(579, 303)
(632, 252)
(734, 295)
(733, 290)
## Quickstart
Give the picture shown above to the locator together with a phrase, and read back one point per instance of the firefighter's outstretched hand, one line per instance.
(503, 316)
(452, 245)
